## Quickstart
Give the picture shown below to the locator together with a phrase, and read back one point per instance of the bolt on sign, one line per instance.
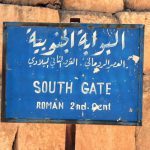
(73, 73)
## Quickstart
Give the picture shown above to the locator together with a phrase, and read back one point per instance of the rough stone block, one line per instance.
(146, 80)
(40, 137)
(138, 4)
(32, 2)
(15, 13)
(7, 135)
(143, 133)
(94, 5)
(99, 137)
(7, 132)
(139, 18)
(87, 17)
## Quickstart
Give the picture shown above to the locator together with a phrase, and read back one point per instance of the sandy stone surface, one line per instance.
(87, 17)
(31, 2)
(143, 133)
(94, 5)
(7, 135)
(100, 137)
(139, 18)
(138, 4)
(40, 137)
(7, 132)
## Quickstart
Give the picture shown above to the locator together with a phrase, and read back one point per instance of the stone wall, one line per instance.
(28, 136)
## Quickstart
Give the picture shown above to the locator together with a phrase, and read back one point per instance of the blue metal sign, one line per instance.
(81, 73)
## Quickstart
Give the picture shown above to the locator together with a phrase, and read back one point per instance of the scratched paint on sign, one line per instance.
(74, 73)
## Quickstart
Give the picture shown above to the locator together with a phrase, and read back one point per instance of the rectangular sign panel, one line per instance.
(72, 73)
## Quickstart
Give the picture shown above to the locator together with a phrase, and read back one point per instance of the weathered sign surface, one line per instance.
(80, 73)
